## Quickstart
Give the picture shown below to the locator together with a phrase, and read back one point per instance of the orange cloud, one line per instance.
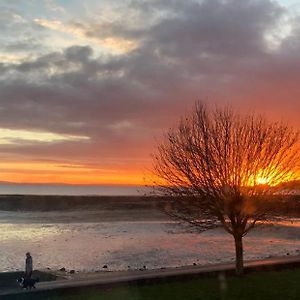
(36, 172)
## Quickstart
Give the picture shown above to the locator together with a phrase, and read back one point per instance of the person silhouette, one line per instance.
(28, 265)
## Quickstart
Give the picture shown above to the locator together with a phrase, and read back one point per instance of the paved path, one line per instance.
(106, 279)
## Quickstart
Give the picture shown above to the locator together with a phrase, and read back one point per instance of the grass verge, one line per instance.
(275, 285)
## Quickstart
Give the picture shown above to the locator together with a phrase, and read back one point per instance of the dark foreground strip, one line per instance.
(67, 287)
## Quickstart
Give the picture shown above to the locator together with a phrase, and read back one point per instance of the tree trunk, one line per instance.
(239, 260)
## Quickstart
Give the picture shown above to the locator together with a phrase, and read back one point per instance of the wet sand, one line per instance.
(87, 240)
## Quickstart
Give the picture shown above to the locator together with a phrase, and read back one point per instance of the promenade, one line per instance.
(110, 279)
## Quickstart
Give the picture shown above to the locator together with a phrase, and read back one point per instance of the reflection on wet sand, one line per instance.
(87, 244)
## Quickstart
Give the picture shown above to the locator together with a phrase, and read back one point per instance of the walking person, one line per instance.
(28, 265)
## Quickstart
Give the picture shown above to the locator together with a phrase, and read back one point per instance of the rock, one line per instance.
(105, 267)
(288, 253)
(194, 264)
(62, 269)
(72, 271)
(144, 267)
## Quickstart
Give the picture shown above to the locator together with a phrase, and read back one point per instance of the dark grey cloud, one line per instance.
(213, 50)
(234, 29)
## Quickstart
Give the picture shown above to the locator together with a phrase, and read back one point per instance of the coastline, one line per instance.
(109, 280)
(88, 246)
(123, 233)
(266, 261)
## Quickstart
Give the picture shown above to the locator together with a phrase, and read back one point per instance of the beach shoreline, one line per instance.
(124, 233)
(111, 279)
(152, 244)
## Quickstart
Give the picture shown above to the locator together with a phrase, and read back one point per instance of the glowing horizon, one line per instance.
(76, 174)
(55, 173)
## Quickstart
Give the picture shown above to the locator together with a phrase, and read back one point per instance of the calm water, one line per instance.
(86, 240)
(73, 190)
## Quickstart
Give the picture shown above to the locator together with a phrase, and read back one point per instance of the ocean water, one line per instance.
(86, 240)
(72, 190)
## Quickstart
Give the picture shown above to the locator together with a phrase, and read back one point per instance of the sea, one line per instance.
(112, 237)
(71, 190)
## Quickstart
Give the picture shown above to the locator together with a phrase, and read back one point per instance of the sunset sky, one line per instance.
(88, 87)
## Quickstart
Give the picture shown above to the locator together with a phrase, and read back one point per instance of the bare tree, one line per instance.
(227, 166)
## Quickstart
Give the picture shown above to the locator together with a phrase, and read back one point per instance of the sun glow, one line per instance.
(262, 181)
(271, 177)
